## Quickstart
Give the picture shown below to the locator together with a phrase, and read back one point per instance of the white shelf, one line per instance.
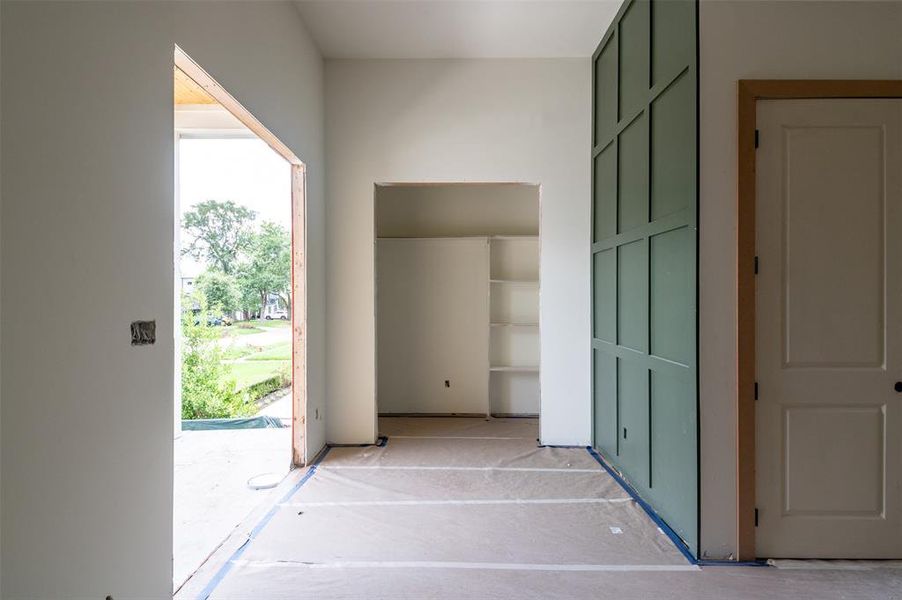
(514, 259)
(514, 304)
(514, 324)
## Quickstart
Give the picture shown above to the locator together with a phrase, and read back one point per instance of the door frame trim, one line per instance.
(749, 92)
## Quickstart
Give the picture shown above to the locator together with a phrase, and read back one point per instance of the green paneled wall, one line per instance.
(645, 238)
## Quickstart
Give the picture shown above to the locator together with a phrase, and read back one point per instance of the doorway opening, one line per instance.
(457, 300)
(240, 315)
(860, 118)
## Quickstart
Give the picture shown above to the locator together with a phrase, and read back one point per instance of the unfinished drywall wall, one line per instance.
(452, 121)
(757, 40)
(456, 210)
(432, 317)
(87, 247)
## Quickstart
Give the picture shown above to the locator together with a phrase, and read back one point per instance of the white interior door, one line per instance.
(829, 329)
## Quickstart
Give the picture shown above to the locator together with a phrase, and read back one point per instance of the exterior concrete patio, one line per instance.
(212, 497)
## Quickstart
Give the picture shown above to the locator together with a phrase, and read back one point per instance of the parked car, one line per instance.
(277, 313)
(217, 320)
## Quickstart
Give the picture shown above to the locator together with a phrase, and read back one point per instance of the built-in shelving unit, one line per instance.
(514, 325)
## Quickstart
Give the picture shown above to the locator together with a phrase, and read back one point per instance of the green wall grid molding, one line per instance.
(644, 254)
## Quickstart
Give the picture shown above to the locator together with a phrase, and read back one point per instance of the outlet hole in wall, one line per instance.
(144, 333)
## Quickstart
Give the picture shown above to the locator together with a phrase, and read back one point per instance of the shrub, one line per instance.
(268, 386)
(208, 391)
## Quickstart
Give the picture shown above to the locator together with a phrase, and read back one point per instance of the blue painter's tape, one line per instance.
(224, 570)
(677, 541)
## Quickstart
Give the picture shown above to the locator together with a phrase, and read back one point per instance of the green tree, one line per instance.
(218, 232)
(208, 389)
(268, 268)
(220, 290)
(249, 300)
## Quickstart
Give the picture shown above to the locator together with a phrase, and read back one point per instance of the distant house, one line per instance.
(187, 289)
(188, 284)
(275, 308)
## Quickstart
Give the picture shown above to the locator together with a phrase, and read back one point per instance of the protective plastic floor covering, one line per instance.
(465, 508)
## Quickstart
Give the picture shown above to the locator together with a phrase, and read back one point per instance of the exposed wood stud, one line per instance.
(188, 91)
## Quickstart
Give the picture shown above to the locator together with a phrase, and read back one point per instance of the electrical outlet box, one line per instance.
(144, 333)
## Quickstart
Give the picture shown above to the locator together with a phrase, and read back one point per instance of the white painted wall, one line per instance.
(456, 210)
(209, 119)
(458, 120)
(87, 242)
(432, 316)
(748, 40)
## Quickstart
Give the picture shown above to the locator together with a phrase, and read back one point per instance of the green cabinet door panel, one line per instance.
(670, 291)
(605, 305)
(634, 51)
(604, 195)
(672, 39)
(632, 173)
(606, 85)
(605, 382)
(644, 253)
(632, 390)
(674, 446)
(672, 143)
(632, 296)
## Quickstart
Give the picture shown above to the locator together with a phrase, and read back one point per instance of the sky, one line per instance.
(246, 171)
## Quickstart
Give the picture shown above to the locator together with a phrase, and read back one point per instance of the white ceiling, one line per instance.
(457, 28)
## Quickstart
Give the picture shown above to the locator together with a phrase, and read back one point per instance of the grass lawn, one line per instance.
(236, 352)
(275, 352)
(252, 327)
(253, 364)
(250, 372)
(239, 330)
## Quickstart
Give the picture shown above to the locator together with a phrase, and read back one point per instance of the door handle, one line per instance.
(898, 386)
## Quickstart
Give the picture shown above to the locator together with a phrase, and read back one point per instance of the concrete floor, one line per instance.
(211, 492)
(465, 508)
